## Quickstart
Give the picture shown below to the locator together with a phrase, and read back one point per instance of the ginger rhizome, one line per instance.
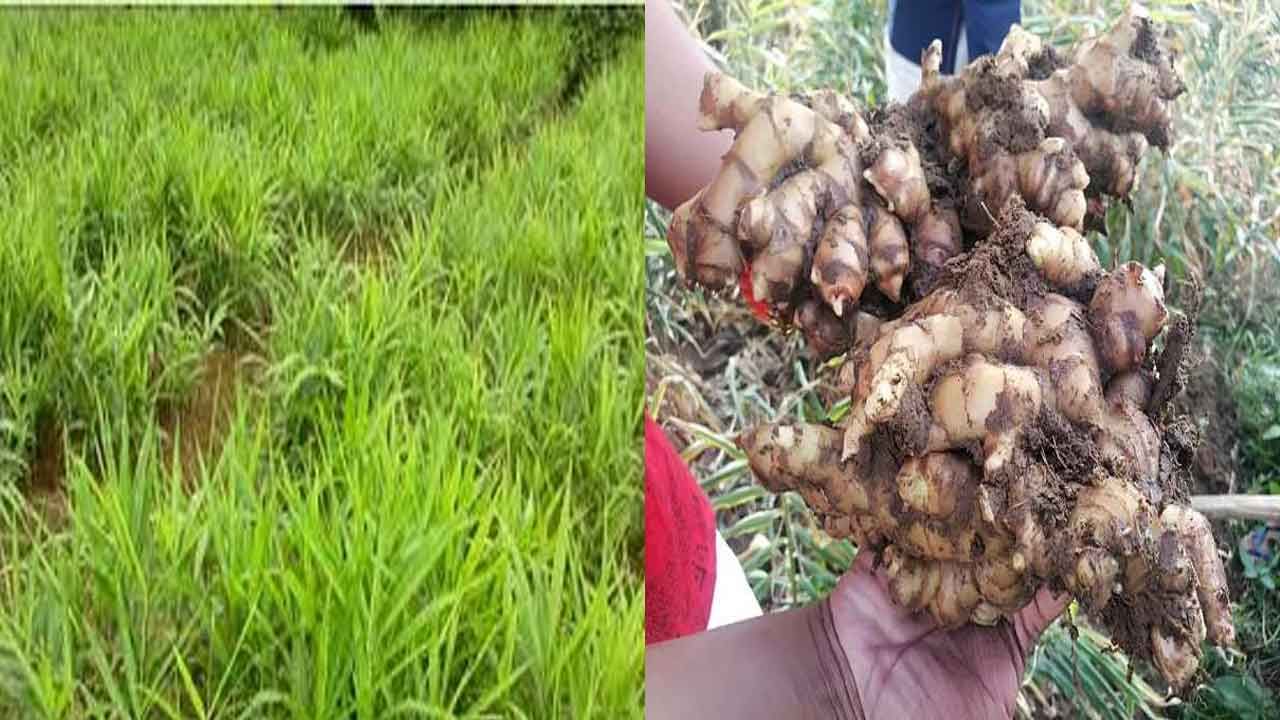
(999, 439)
(1007, 427)
(823, 205)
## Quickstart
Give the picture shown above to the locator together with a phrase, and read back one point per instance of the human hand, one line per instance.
(904, 665)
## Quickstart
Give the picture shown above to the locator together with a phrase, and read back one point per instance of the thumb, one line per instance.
(1032, 620)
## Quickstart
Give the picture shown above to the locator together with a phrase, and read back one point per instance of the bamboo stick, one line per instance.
(1238, 507)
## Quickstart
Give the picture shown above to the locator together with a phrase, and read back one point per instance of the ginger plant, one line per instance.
(1007, 426)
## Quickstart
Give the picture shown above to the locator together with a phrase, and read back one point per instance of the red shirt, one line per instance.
(679, 543)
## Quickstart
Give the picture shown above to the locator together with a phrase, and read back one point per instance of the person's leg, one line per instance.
(968, 29)
(987, 22)
(913, 24)
(962, 48)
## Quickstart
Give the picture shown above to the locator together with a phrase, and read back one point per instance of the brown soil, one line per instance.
(46, 489)
(47, 463)
(898, 125)
(908, 430)
(199, 422)
(1207, 403)
(1010, 123)
(1045, 63)
(999, 267)
(1072, 458)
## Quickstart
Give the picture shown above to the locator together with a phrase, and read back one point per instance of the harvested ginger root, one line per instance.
(999, 440)
(1001, 435)
(819, 204)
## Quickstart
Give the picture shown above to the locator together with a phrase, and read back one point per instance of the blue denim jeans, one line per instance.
(913, 24)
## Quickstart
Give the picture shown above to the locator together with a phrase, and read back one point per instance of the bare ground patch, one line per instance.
(196, 426)
(46, 486)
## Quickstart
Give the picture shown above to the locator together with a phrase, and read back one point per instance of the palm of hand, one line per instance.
(906, 666)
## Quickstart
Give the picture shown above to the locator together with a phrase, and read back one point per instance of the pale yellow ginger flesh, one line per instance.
(933, 484)
(985, 402)
(997, 326)
(1048, 176)
(1059, 339)
(1211, 586)
(1063, 256)
(770, 133)
(1104, 78)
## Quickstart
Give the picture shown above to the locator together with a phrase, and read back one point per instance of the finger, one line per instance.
(861, 602)
(863, 588)
(864, 561)
(868, 566)
(1032, 620)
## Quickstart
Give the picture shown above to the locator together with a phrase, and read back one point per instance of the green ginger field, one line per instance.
(320, 364)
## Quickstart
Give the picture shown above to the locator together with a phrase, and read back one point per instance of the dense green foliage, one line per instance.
(419, 252)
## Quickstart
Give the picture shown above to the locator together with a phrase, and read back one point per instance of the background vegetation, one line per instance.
(301, 324)
(1209, 209)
